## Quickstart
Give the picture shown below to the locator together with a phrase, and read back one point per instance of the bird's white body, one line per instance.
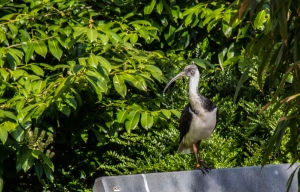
(201, 128)
(203, 122)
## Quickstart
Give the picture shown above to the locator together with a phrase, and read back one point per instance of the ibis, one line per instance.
(198, 118)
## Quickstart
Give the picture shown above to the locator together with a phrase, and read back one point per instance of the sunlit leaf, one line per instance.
(3, 134)
(146, 120)
(121, 116)
(29, 52)
(40, 48)
(119, 85)
(54, 48)
(133, 120)
(105, 63)
(149, 7)
(37, 70)
(92, 34)
(64, 85)
(259, 19)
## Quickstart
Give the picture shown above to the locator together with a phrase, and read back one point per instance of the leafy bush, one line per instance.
(81, 88)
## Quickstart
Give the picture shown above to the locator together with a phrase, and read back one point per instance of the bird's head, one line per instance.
(188, 71)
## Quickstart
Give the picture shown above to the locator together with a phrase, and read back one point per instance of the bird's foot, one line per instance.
(203, 167)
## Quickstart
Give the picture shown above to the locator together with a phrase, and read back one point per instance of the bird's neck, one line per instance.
(193, 85)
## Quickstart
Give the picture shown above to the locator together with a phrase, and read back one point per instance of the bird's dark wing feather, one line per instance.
(185, 121)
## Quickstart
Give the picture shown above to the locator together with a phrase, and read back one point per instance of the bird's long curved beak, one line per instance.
(182, 74)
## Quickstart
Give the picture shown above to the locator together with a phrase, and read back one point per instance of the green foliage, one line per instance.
(83, 80)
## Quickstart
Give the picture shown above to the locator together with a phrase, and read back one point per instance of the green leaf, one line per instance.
(64, 85)
(78, 31)
(39, 111)
(142, 22)
(134, 38)
(48, 172)
(2, 36)
(29, 51)
(189, 19)
(213, 15)
(18, 134)
(104, 63)
(13, 29)
(4, 74)
(17, 74)
(47, 161)
(146, 120)
(133, 120)
(149, 7)
(119, 85)
(200, 62)
(159, 7)
(3, 134)
(38, 169)
(113, 35)
(35, 153)
(282, 20)
(92, 34)
(243, 78)
(7, 114)
(143, 33)
(259, 19)
(95, 88)
(37, 70)
(167, 113)
(40, 48)
(227, 29)
(92, 60)
(84, 136)
(103, 38)
(121, 116)
(176, 113)
(54, 48)
(153, 69)
(193, 9)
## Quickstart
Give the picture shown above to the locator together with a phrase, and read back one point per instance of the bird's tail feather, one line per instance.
(182, 149)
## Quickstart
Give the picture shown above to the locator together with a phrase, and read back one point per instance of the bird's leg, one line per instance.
(199, 162)
(195, 149)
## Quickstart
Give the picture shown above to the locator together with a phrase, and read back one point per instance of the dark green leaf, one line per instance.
(48, 172)
(47, 161)
(243, 78)
(38, 169)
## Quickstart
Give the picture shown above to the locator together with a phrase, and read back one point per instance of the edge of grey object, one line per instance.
(271, 178)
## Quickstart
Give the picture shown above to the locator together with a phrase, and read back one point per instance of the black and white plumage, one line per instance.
(198, 118)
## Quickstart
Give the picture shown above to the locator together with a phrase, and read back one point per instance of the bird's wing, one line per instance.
(185, 121)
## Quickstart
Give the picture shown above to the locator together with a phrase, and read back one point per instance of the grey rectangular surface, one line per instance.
(271, 178)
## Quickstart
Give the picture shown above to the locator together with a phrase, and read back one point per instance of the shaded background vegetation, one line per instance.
(81, 87)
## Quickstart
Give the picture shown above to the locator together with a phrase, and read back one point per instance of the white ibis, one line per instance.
(198, 118)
